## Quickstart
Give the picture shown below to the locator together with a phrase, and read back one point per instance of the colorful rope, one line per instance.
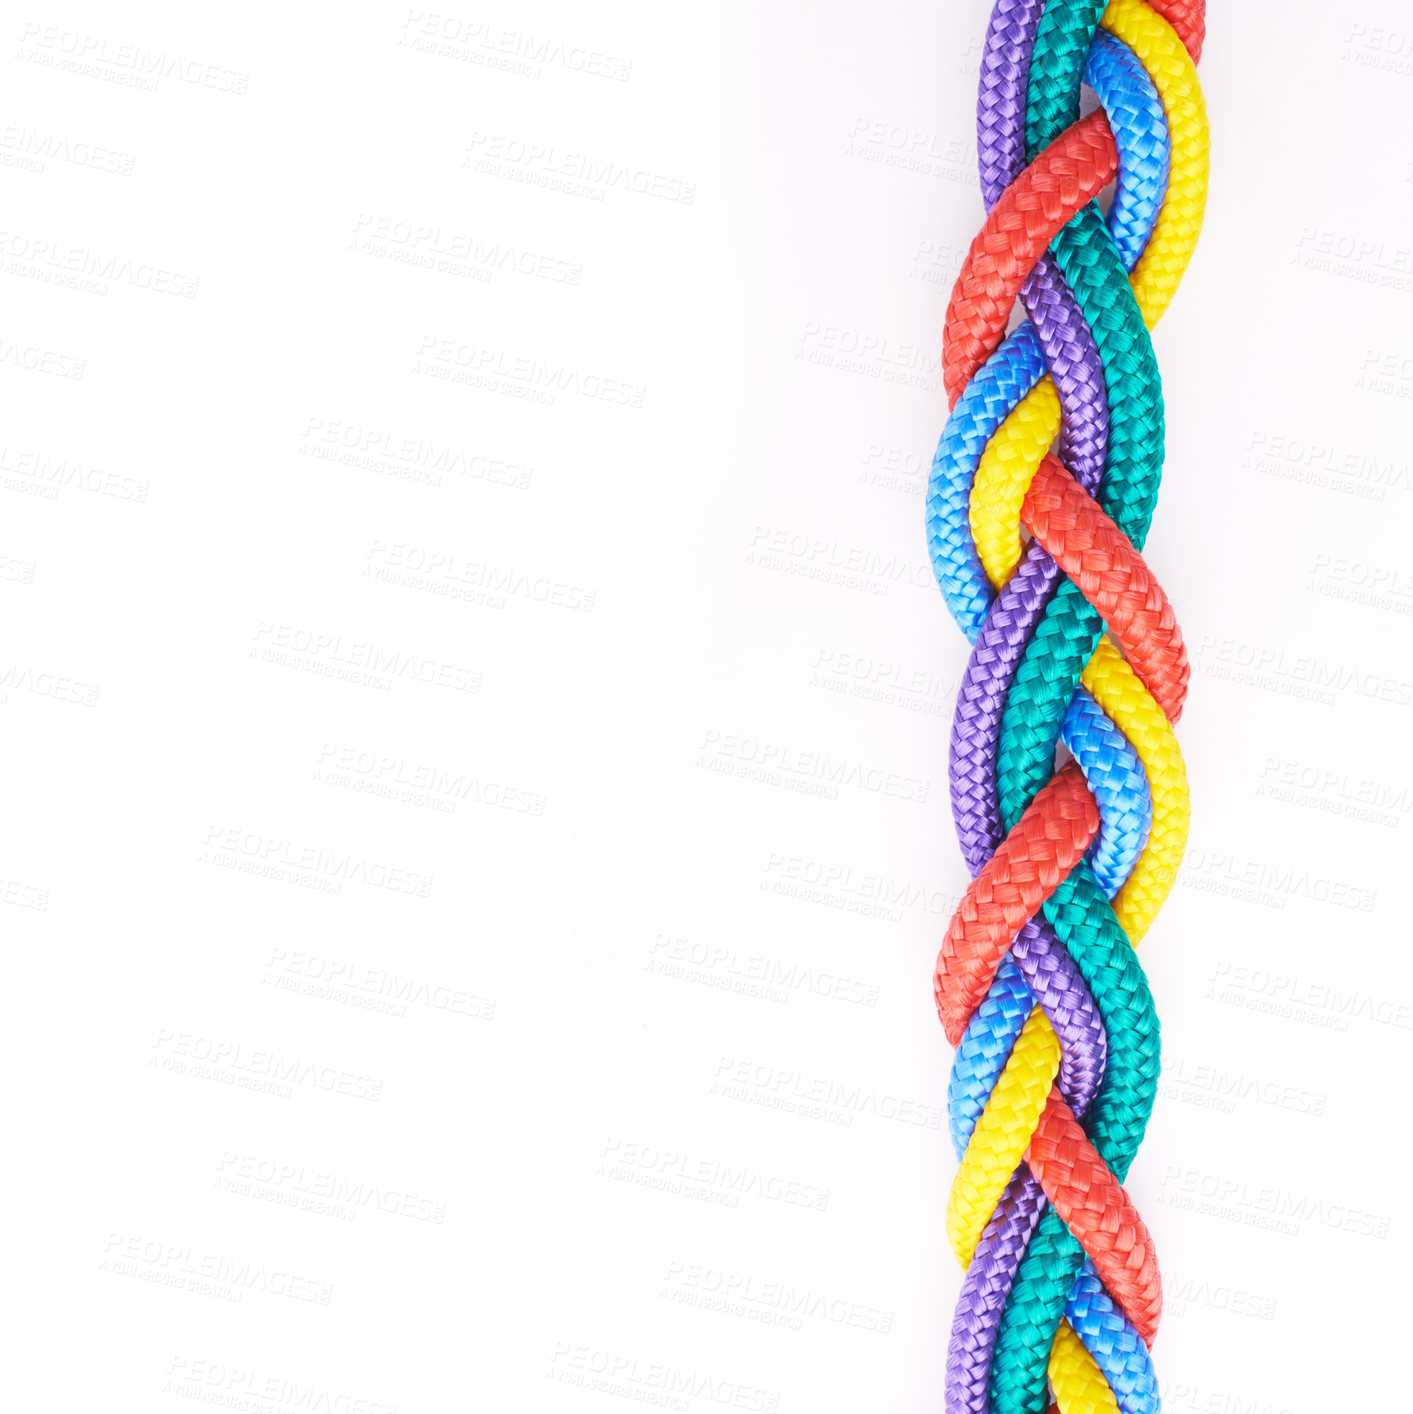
(1037, 983)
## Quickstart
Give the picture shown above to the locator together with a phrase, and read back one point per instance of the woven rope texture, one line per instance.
(1039, 503)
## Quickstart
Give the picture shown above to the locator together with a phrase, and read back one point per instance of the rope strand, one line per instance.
(1036, 982)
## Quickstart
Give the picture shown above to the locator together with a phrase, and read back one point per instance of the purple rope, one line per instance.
(1073, 363)
(977, 720)
(1052, 976)
(985, 1288)
(1000, 111)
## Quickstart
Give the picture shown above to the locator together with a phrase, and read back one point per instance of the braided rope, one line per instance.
(1037, 984)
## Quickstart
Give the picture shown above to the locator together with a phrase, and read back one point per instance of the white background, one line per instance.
(462, 477)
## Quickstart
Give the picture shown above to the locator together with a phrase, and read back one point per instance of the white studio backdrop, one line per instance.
(476, 707)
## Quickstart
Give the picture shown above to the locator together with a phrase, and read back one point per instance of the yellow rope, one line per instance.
(999, 1140)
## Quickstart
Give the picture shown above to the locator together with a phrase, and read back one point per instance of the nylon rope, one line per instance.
(1039, 503)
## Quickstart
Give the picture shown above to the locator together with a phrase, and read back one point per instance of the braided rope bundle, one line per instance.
(1075, 646)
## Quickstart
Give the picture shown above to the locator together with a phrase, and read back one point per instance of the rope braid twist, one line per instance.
(1073, 643)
